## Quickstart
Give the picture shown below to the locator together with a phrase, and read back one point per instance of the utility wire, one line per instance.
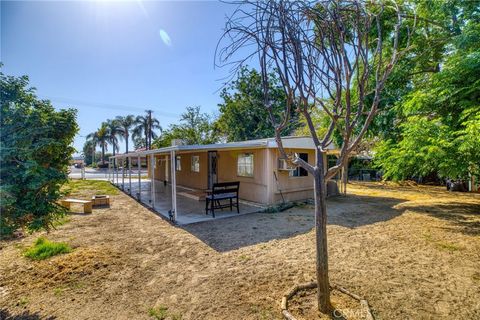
(89, 104)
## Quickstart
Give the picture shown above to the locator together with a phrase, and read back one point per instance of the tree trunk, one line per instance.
(345, 178)
(149, 129)
(126, 148)
(146, 139)
(103, 154)
(323, 294)
(149, 138)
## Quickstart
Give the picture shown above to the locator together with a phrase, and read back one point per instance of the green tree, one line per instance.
(100, 138)
(88, 151)
(115, 131)
(434, 31)
(36, 148)
(243, 115)
(145, 127)
(439, 134)
(138, 142)
(195, 127)
(126, 123)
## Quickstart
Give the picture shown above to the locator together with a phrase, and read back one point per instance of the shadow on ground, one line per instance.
(351, 211)
(25, 315)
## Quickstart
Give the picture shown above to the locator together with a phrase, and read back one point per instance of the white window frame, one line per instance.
(195, 164)
(245, 164)
(299, 172)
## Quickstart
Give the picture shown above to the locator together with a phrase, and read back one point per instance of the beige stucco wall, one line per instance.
(188, 178)
(185, 177)
(251, 188)
(293, 188)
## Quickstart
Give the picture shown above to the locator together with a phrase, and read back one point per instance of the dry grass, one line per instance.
(412, 251)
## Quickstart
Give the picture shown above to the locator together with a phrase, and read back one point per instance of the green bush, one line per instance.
(36, 147)
(43, 249)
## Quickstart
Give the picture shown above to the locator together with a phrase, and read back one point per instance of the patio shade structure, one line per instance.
(148, 158)
(190, 171)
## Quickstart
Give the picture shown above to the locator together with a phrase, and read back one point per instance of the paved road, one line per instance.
(97, 174)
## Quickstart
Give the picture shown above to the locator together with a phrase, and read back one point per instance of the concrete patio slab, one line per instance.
(189, 210)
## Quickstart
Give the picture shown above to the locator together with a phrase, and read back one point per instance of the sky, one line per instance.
(110, 58)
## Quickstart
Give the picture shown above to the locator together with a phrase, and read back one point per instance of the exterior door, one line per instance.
(212, 168)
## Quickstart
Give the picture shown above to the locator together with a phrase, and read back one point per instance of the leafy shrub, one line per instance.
(43, 249)
(36, 147)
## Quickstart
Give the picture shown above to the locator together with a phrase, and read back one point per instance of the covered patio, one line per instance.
(180, 204)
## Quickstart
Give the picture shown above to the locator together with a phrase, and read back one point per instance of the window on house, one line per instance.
(245, 165)
(300, 172)
(178, 163)
(195, 164)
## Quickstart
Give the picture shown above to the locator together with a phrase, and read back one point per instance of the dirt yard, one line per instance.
(412, 252)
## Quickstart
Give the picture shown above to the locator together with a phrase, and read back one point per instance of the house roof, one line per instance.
(288, 143)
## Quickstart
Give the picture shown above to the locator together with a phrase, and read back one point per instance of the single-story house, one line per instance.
(265, 178)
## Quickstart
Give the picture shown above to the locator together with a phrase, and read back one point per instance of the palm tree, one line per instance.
(89, 151)
(144, 126)
(100, 138)
(114, 131)
(126, 123)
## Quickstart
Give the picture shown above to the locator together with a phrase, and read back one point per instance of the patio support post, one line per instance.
(110, 177)
(152, 180)
(112, 173)
(139, 166)
(271, 181)
(113, 170)
(115, 165)
(123, 173)
(173, 164)
(130, 175)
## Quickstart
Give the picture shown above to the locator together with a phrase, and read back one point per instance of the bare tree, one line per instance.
(328, 54)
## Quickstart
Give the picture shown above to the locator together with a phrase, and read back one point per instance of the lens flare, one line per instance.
(165, 37)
